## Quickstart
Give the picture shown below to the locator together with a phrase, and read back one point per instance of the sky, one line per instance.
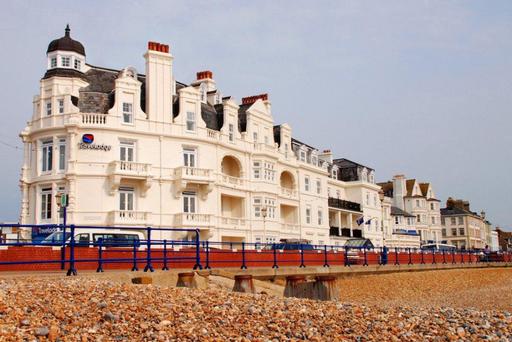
(420, 88)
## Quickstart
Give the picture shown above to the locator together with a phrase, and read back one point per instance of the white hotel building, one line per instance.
(146, 150)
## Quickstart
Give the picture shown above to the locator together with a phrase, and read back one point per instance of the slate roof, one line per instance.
(277, 134)
(387, 188)
(345, 163)
(395, 211)
(242, 117)
(66, 43)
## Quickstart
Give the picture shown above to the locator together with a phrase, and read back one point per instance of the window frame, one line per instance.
(65, 61)
(47, 156)
(126, 199)
(46, 204)
(191, 121)
(127, 108)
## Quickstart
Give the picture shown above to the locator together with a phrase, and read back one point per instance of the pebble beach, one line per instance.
(89, 309)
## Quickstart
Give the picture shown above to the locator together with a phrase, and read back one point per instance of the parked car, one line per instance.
(291, 245)
(438, 247)
(91, 238)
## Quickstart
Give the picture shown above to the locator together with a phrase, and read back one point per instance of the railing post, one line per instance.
(326, 264)
(302, 256)
(134, 267)
(469, 257)
(165, 268)
(397, 262)
(100, 255)
(244, 266)
(410, 257)
(148, 266)
(433, 257)
(422, 259)
(453, 256)
(444, 257)
(347, 263)
(461, 257)
(365, 263)
(275, 256)
(63, 248)
(72, 269)
(207, 249)
(198, 252)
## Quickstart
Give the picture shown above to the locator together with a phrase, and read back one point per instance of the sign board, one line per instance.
(88, 144)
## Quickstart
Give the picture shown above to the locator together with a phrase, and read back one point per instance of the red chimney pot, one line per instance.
(252, 99)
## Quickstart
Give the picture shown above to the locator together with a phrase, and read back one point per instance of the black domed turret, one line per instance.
(66, 44)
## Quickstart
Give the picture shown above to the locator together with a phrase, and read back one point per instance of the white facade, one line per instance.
(168, 154)
(417, 200)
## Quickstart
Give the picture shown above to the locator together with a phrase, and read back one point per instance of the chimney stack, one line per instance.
(159, 82)
(326, 155)
(252, 99)
(205, 77)
(399, 191)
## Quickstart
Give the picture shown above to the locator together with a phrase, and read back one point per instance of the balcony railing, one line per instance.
(212, 134)
(129, 217)
(340, 232)
(288, 192)
(94, 119)
(343, 204)
(290, 226)
(232, 221)
(131, 168)
(193, 173)
(232, 181)
(192, 219)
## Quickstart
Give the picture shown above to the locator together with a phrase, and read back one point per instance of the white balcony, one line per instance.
(264, 147)
(232, 222)
(193, 220)
(288, 192)
(194, 174)
(186, 175)
(290, 227)
(94, 119)
(233, 182)
(212, 134)
(129, 217)
(120, 169)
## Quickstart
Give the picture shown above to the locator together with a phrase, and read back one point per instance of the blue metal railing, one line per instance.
(135, 246)
(194, 252)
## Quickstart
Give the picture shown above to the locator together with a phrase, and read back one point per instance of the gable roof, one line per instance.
(409, 185)
(424, 188)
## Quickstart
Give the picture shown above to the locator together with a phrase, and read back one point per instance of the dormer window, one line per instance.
(202, 90)
(314, 160)
(127, 112)
(65, 61)
(218, 98)
(53, 62)
(302, 156)
(334, 173)
(78, 64)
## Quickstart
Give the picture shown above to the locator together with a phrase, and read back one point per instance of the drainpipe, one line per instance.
(300, 202)
(160, 184)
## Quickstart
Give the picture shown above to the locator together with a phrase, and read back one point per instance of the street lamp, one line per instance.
(264, 211)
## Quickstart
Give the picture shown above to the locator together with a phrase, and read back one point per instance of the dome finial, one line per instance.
(67, 30)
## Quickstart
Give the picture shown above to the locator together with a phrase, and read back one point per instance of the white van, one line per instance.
(91, 237)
